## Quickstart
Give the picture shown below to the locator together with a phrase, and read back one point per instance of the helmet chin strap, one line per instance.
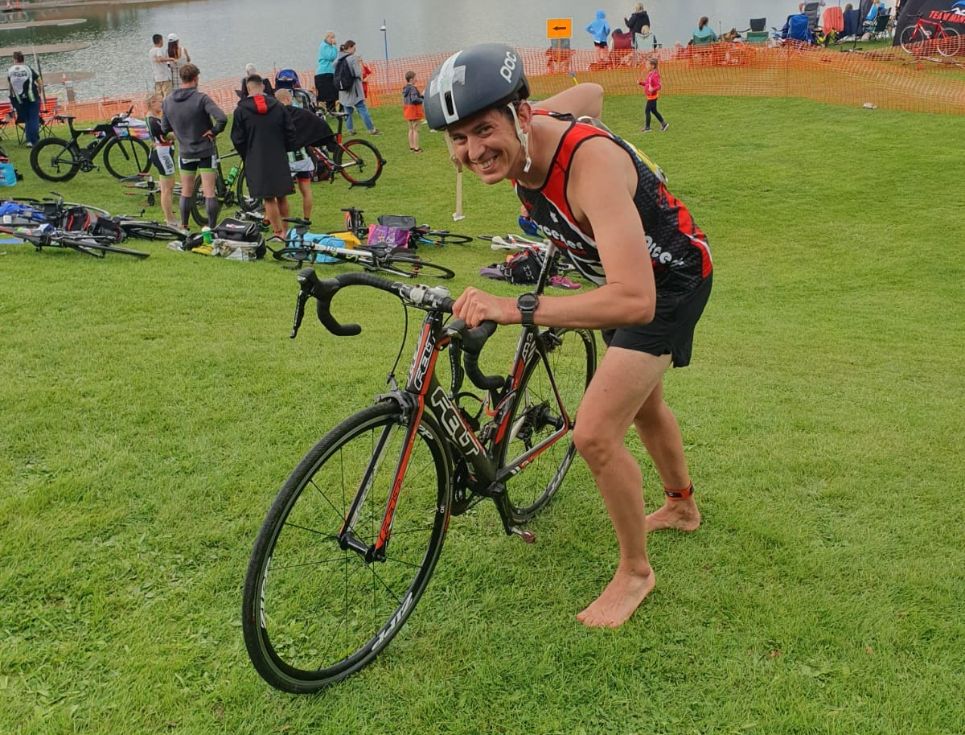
(523, 138)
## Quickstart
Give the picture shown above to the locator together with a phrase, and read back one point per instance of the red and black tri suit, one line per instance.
(679, 253)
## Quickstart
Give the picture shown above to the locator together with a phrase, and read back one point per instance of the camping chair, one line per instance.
(622, 52)
(757, 33)
(48, 110)
(879, 29)
(7, 116)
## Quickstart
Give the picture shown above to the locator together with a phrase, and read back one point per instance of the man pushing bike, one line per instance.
(598, 199)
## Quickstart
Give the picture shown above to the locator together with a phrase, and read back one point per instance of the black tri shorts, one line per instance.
(672, 329)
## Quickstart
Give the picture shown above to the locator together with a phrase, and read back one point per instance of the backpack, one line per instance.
(15, 213)
(78, 219)
(344, 75)
(235, 234)
(108, 227)
(523, 267)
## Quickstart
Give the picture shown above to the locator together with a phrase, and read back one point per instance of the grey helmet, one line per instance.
(473, 80)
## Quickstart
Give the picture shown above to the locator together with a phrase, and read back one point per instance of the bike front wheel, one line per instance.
(442, 237)
(316, 609)
(150, 230)
(412, 266)
(53, 159)
(950, 44)
(246, 202)
(360, 162)
(126, 157)
(543, 416)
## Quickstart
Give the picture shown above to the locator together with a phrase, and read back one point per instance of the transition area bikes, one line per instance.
(352, 539)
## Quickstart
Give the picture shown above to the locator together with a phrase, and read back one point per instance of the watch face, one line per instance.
(527, 301)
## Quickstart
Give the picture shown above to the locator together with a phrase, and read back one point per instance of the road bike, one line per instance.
(300, 248)
(231, 191)
(927, 35)
(359, 162)
(56, 159)
(418, 234)
(353, 536)
(48, 236)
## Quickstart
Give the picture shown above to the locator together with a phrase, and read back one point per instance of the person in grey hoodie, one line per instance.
(195, 120)
(353, 98)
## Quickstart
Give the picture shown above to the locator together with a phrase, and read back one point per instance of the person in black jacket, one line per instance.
(638, 24)
(263, 133)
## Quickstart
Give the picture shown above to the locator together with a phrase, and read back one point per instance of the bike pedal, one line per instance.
(527, 537)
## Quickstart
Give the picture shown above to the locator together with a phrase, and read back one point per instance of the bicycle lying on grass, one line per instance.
(48, 236)
(354, 535)
(298, 248)
(56, 159)
(418, 234)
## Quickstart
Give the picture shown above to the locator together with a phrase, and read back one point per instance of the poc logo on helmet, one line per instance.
(509, 65)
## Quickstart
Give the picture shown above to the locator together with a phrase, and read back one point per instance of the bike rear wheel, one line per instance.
(314, 612)
(247, 203)
(412, 266)
(126, 157)
(101, 250)
(539, 415)
(360, 162)
(53, 159)
(295, 255)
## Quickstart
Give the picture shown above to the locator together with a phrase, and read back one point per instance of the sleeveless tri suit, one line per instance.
(679, 253)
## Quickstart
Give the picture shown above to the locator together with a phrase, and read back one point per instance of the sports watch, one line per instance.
(527, 304)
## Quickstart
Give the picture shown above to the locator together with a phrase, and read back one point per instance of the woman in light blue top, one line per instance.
(324, 72)
(599, 29)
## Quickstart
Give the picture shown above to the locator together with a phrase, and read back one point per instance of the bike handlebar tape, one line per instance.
(472, 344)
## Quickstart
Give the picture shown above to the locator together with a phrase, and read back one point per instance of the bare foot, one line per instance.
(680, 514)
(618, 601)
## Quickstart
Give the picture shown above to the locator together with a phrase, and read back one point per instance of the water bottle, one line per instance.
(232, 175)
(207, 235)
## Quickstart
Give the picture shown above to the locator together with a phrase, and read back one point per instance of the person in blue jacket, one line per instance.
(325, 72)
(599, 29)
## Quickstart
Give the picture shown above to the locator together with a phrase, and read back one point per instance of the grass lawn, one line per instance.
(150, 410)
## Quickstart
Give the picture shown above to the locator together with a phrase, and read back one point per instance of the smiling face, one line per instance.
(487, 145)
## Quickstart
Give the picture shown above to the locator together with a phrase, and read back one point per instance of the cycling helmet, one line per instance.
(473, 80)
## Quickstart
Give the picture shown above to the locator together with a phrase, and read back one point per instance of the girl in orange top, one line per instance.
(651, 86)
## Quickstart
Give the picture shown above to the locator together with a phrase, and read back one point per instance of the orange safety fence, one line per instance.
(889, 78)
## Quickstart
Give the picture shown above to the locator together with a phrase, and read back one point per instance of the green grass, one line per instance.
(150, 410)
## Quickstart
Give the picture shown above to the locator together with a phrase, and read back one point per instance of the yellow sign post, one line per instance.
(559, 28)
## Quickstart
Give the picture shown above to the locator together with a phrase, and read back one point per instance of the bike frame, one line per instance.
(426, 400)
(103, 133)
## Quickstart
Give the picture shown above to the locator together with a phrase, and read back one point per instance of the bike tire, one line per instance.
(52, 159)
(245, 202)
(535, 418)
(442, 237)
(951, 44)
(339, 611)
(360, 162)
(150, 230)
(125, 157)
(412, 266)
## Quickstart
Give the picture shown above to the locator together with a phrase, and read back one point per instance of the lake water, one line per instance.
(223, 35)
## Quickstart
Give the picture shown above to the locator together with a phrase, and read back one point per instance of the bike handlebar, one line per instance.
(432, 299)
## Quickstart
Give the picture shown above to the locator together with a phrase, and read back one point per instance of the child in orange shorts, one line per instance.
(412, 104)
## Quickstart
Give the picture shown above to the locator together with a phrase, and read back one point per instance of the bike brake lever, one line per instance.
(300, 302)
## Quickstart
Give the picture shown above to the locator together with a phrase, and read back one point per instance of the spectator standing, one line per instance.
(263, 133)
(162, 155)
(178, 56)
(412, 110)
(25, 87)
(195, 120)
(353, 98)
(310, 129)
(651, 87)
(599, 30)
(251, 70)
(638, 24)
(325, 70)
(160, 65)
